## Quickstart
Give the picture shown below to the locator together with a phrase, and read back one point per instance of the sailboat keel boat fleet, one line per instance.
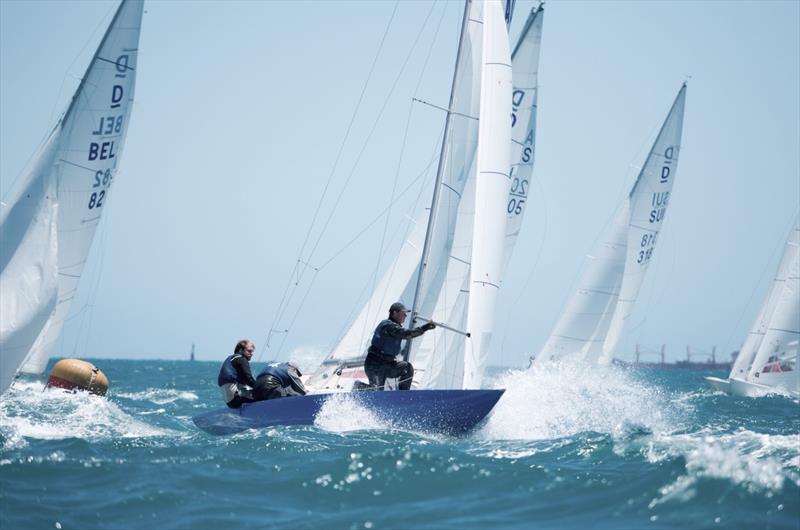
(449, 270)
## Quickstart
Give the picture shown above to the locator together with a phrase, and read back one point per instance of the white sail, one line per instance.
(439, 355)
(28, 262)
(744, 361)
(92, 135)
(491, 193)
(396, 285)
(583, 325)
(480, 105)
(591, 326)
(524, 101)
(776, 362)
(399, 283)
(649, 199)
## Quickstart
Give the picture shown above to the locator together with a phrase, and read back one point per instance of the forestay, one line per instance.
(592, 324)
(91, 135)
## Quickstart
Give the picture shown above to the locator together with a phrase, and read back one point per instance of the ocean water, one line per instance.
(566, 447)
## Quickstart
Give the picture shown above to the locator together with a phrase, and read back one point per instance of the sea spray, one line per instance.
(27, 411)
(343, 413)
(559, 399)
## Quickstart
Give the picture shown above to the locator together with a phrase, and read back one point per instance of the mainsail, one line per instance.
(744, 361)
(439, 357)
(81, 162)
(591, 325)
(478, 91)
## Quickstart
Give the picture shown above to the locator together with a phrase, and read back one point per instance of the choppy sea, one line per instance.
(564, 448)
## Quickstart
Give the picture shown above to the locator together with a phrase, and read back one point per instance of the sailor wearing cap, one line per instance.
(386, 345)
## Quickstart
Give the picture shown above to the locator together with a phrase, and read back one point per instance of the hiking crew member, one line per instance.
(235, 378)
(279, 380)
(386, 345)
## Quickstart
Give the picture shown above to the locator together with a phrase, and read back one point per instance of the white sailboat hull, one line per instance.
(738, 387)
(723, 385)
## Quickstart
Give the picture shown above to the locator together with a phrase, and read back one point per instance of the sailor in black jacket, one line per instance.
(235, 378)
(386, 346)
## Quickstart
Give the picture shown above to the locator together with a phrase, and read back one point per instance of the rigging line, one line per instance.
(375, 123)
(366, 143)
(352, 313)
(296, 313)
(451, 112)
(436, 145)
(404, 141)
(371, 132)
(347, 133)
(377, 217)
(280, 308)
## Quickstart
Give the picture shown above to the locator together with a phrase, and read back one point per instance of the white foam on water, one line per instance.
(555, 401)
(28, 412)
(160, 396)
(560, 399)
(342, 412)
(756, 461)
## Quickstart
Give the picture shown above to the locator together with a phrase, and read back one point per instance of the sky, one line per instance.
(244, 110)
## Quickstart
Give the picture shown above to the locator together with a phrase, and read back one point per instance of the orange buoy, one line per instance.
(74, 374)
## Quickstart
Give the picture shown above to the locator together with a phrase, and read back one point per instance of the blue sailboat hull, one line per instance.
(451, 412)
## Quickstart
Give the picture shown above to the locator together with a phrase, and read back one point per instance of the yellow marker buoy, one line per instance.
(74, 374)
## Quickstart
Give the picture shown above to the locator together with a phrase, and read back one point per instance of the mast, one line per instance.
(437, 185)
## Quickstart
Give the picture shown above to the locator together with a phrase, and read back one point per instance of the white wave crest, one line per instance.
(160, 396)
(754, 460)
(559, 399)
(342, 413)
(28, 412)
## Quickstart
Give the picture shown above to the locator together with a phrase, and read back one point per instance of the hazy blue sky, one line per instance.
(241, 108)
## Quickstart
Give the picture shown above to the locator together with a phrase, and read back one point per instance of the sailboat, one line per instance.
(769, 359)
(49, 219)
(439, 356)
(591, 326)
(472, 182)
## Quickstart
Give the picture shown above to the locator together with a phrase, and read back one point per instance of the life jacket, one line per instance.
(228, 374)
(279, 371)
(384, 345)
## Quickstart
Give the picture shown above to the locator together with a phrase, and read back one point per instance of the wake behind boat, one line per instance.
(452, 412)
